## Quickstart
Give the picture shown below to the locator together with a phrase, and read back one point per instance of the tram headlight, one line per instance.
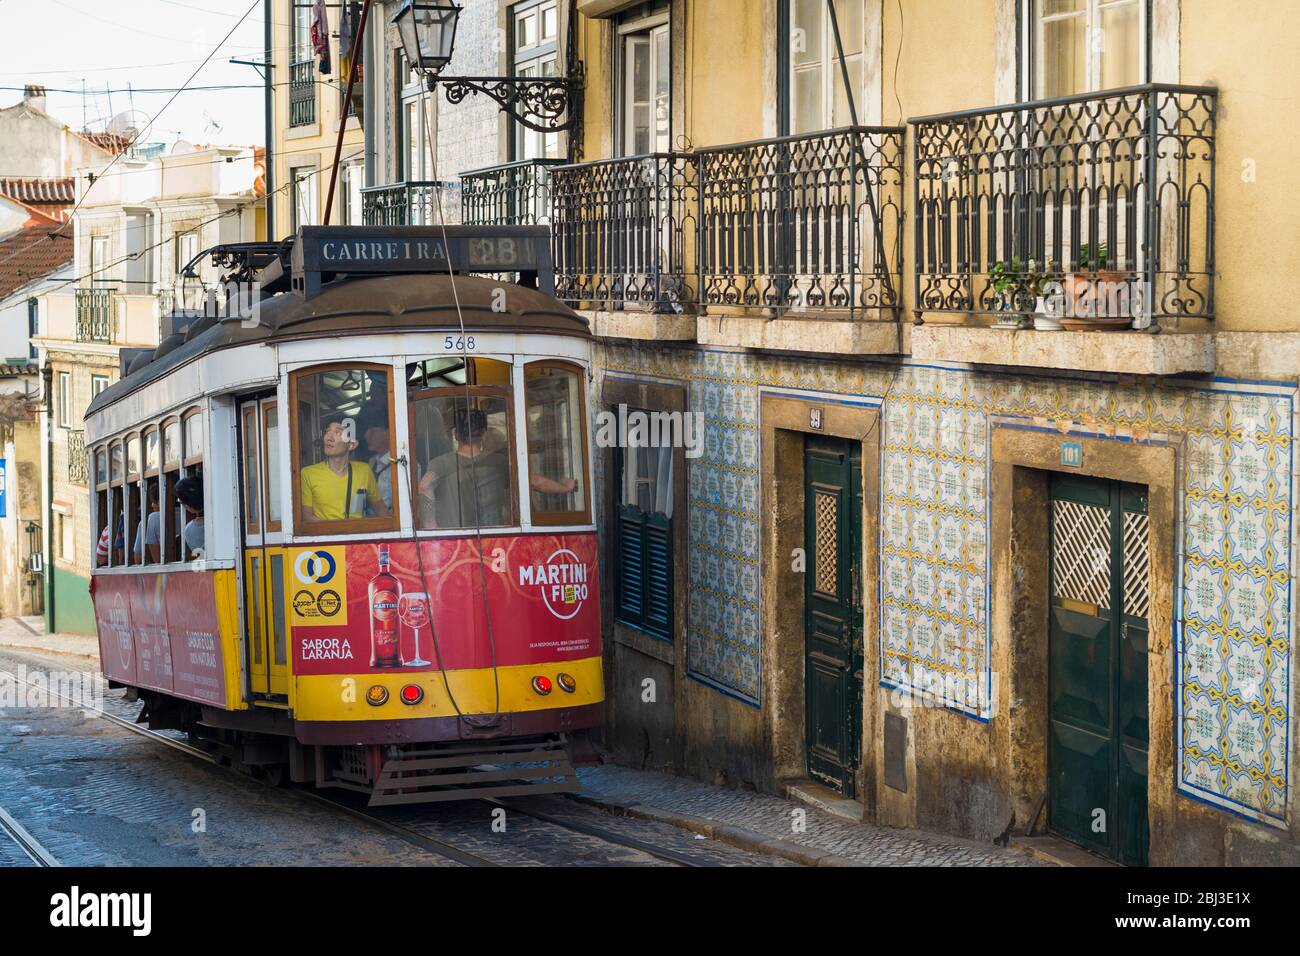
(566, 682)
(377, 695)
(542, 685)
(412, 694)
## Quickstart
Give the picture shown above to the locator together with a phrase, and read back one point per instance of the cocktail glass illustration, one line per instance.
(413, 611)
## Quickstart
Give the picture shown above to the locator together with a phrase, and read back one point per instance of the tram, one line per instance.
(344, 530)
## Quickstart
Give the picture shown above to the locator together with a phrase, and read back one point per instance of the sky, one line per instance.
(121, 48)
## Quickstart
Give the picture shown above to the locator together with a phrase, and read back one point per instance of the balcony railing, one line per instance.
(302, 93)
(624, 230)
(513, 194)
(809, 222)
(1114, 187)
(95, 315)
(78, 463)
(407, 204)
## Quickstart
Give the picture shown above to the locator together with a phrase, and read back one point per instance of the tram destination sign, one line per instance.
(387, 250)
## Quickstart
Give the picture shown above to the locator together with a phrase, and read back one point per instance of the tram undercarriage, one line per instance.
(263, 745)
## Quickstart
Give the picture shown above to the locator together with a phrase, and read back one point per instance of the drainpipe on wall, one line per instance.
(47, 383)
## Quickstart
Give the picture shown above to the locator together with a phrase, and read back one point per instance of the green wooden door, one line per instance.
(833, 610)
(1100, 586)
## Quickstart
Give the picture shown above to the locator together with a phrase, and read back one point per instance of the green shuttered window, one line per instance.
(643, 540)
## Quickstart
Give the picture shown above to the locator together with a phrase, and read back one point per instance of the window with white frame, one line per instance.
(1082, 46)
(99, 261)
(644, 78)
(534, 38)
(63, 400)
(97, 384)
(815, 84)
(354, 177)
(414, 122)
(304, 196)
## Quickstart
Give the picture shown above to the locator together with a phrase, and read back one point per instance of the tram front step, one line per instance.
(430, 775)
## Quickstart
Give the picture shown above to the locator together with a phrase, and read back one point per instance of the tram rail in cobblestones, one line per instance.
(30, 846)
(338, 802)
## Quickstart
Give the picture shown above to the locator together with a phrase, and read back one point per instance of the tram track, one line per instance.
(338, 802)
(30, 846)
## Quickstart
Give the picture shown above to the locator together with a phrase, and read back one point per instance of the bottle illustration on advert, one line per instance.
(385, 638)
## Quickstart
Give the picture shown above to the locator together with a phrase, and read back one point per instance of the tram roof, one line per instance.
(361, 306)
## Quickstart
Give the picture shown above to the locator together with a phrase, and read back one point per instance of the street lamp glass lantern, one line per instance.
(428, 32)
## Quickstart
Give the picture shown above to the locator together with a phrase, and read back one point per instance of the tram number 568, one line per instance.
(458, 343)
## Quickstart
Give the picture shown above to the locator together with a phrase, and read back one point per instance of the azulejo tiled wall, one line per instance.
(1233, 643)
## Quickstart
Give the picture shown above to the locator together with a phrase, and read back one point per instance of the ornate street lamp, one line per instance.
(546, 104)
(428, 32)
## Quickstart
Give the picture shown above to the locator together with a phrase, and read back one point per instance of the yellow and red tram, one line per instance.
(345, 529)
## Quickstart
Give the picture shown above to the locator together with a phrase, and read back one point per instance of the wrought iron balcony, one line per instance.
(78, 463)
(95, 313)
(804, 223)
(406, 204)
(621, 229)
(1109, 188)
(512, 194)
(302, 93)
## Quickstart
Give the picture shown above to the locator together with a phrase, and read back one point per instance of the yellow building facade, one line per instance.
(988, 526)
(306, 106)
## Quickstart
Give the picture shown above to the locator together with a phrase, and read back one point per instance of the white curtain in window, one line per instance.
(648, 479)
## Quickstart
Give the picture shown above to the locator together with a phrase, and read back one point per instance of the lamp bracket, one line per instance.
(545, 104)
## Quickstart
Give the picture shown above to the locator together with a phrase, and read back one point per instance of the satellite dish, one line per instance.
(128, 123)
(181, 146)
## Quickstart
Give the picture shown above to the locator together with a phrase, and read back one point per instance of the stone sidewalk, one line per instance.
(29, 632)
(766, 824)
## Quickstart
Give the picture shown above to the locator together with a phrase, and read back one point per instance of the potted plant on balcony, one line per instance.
(1096, 298)
(1023, 294)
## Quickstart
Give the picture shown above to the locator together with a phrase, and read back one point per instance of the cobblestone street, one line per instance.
(93, 793)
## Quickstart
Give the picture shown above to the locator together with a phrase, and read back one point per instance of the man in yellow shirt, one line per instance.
(339, 488)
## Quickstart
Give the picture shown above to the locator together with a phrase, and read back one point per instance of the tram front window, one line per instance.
(553, 404)
(462, 439)
(344, 446)
(469, 483)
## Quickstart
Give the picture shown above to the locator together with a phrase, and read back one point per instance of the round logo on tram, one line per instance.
(562, 579)
(121, 623)
(314, 567)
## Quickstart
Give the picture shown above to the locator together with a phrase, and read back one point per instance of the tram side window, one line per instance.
(462, 437)
(171, 463)
(343, 449)
(148, 535)
(557, 444)
(111, 546)
(189, 490)
(101, 505)
(131, 497)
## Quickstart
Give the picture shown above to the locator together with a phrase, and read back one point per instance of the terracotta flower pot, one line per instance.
(1096, 303)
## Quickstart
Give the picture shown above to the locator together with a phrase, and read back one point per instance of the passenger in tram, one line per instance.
(374, 432)
(189, 492)
(148, 534)
(338, 487)
(465, 477)
(475, 473)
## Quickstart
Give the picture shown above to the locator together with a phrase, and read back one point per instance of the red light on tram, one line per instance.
(542, 685)
(412, 694)
(566, 682)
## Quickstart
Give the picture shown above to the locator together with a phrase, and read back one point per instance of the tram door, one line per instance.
(265, 623)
